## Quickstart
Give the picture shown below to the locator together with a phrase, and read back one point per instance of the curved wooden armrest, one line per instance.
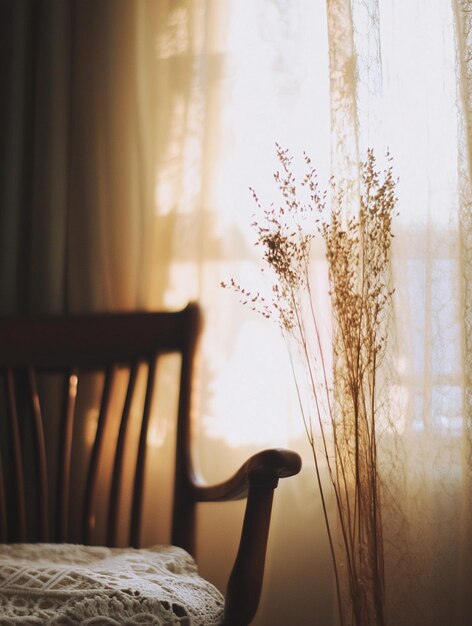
(264, 467)
(256, 480)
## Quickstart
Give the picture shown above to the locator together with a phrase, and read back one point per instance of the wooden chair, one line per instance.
(37, 483)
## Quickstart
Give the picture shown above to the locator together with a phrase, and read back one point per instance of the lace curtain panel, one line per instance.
(407, 94)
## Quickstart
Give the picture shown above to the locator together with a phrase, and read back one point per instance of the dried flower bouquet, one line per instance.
(341, 409)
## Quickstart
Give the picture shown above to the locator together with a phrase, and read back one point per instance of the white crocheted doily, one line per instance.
(67, 584)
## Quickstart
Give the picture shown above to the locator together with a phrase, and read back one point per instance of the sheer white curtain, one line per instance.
(332, 80)
(407, 94)
(234, 78)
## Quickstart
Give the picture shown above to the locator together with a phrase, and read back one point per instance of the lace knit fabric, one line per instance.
(66, 584)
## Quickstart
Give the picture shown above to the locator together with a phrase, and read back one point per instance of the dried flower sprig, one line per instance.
(341, 416)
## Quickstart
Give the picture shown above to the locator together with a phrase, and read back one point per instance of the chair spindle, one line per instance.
(65, 450)
(112, 524)
(40, 456)
(141, 458)
(19, 525)
(92, 475)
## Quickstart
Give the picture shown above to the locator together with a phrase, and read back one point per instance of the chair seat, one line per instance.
(65, 584)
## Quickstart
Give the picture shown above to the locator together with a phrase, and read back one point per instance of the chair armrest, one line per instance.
(264, 467)
(256, 481)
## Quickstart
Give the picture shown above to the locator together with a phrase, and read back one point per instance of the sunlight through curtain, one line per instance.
(236, 77)
(332, 80)
(405, 94)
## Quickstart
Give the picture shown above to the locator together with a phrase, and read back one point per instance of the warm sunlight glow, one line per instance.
(264, 97)
(266, 80)
(255, 388)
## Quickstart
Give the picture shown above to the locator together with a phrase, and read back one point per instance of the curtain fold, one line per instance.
(35, 112)
(111, 202)
(78, 154)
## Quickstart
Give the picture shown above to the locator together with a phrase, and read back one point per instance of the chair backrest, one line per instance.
(41, 356)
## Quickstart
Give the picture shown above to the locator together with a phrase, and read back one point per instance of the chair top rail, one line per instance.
(49, 341)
